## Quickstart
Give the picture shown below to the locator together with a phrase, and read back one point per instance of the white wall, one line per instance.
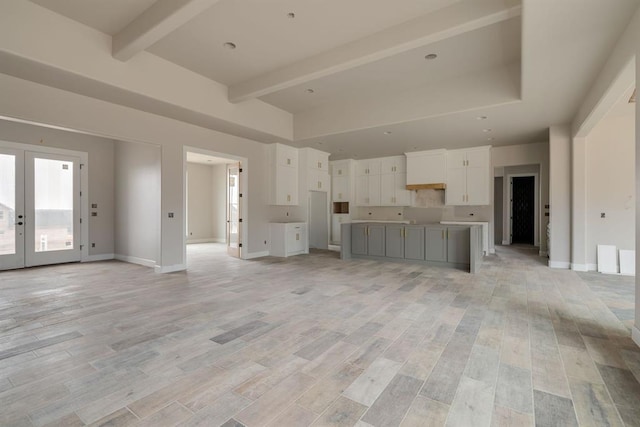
(101, 179)
(610, 164)
(137, 168)
(560, 196)
(199, 202)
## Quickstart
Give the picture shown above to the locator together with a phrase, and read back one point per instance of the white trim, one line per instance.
(253, 255)
(635, 335)
(208, 240)
(543, 253)
(98, 257)
(506, 243)
(559, 264)
(169, 268)
(592, 267)
(579, 267)
(135, 260)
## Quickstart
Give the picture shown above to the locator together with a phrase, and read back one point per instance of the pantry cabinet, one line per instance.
(282, 174)
(468, 176)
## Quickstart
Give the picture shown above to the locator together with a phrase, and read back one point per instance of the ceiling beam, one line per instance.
(448, 22)
(163, 17)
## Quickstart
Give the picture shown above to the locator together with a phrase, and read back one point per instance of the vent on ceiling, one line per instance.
(633, 97)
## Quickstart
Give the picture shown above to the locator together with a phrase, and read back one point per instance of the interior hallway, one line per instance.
(312, 339)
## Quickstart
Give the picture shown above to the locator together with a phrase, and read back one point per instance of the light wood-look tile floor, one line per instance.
(312, 340)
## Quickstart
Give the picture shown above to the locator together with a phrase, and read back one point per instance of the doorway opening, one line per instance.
(523, 209)
(40, 206)
(215, 198)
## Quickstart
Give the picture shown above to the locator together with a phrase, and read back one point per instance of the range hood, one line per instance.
(434, 186)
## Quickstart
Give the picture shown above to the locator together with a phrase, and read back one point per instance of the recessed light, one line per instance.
(486, 130)
(310, 91)
(481, 118)
(229, 45)
(431, 56)
(291, 15)
(387, 132)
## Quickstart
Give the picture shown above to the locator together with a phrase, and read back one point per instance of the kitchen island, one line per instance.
(457, 246)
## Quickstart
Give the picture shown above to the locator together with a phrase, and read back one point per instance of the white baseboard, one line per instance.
(252, 255)
(207, 240)
(99, 257)
(635, 335)
(592, 267)
(579, 267)
(135, 260)
(559, 264)
(169, 268)
(506, 243)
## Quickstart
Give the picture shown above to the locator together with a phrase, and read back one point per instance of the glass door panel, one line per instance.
(233, 210)
(11, 208)
(52, 208)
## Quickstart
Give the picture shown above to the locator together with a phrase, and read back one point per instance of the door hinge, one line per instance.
(81, 165)
(81, 194)
(80, 220)
(240, 220)
(239, 245)
(240, 170)
(81, 246)
(240, 195)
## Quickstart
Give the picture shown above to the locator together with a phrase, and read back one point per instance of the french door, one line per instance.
(233, 210)
(39, 208)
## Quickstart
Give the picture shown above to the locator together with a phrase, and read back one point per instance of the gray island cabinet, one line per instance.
(456, 246)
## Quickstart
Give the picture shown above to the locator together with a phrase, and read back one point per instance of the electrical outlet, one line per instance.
(170, 214)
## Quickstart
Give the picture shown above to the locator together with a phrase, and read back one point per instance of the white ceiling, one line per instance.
(524, 68)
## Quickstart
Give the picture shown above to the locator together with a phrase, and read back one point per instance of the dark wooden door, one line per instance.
(523, 209)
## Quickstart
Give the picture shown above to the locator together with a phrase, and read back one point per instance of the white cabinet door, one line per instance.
(388, 189)
(317, 180)
(403, 196)
(374, 190)
(340, 188)
(456, 159)
(296, 237)
(477, 186)
(286, 156)
(286, 186)
(362, 190)
(340, 168)
(336, 224)
(395, 164)
(456, 191)
(478, 158)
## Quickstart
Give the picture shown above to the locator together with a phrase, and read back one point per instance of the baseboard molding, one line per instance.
(98, 257)
(579, 267)
(169, 268)
(252, 255)
(208, 240)
(635, 335)
(592, 267)
(559, 264)
(135, 260)
(506, 243)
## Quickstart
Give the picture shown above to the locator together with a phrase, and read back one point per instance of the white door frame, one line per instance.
(536, 198)
(244, 188)
(84, 185)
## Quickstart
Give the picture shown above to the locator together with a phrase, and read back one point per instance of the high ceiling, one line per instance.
(355, 74)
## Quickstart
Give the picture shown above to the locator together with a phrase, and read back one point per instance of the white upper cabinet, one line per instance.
(382, 182)
(315, 165)
(283, 174)
(341, 167)
(427, 167)
(468, 176)
(343, 180)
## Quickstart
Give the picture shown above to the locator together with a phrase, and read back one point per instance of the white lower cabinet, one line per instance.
(336, 224)
(288, 238)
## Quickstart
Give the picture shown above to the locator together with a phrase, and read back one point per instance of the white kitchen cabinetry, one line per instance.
(336, 223)
(283, 174)
(368, 182)
(288, 238)
(427, 168)
(342, 180)
(316, 164)
(468, 174)
(382, 182)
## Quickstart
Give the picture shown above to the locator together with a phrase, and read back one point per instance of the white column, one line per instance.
(579, 204)
(560, 196)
